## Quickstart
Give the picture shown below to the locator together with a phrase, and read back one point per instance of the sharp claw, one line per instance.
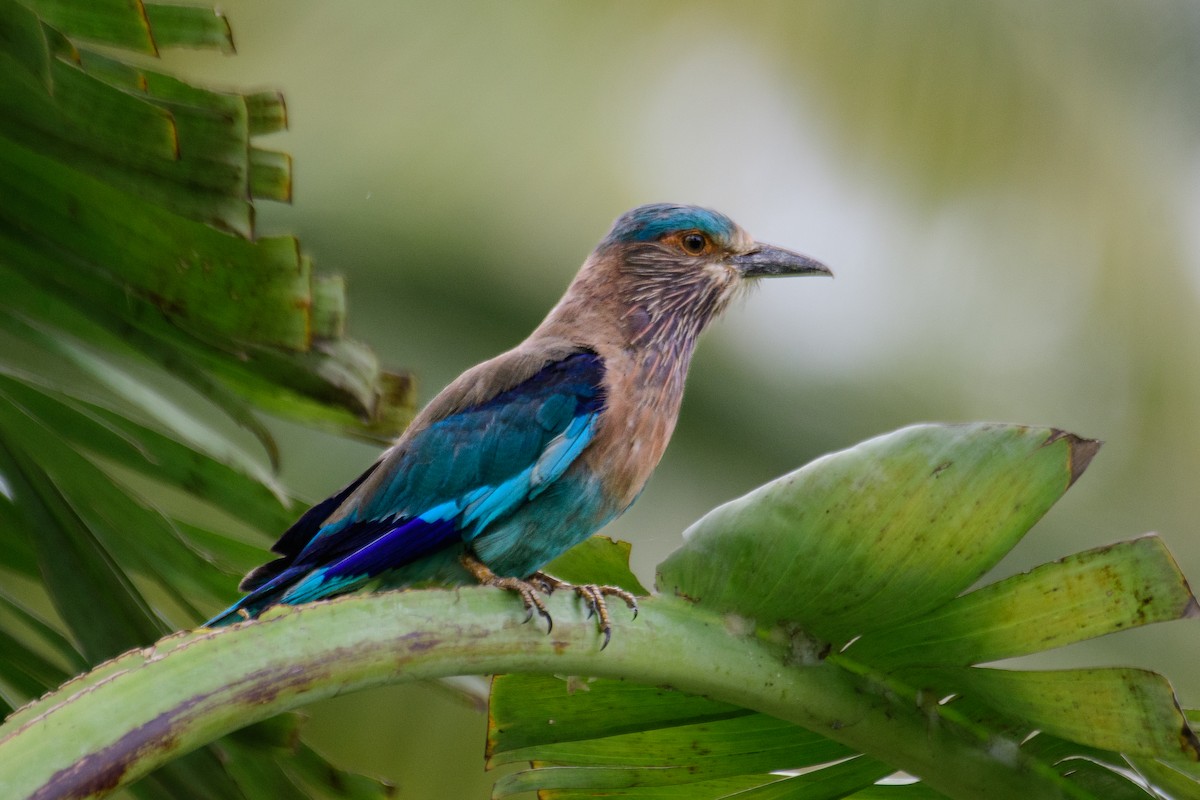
(526, 589)
(540, 583)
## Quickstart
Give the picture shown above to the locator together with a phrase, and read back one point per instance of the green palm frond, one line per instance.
(807, 641)
(863, 561)
(142, 323)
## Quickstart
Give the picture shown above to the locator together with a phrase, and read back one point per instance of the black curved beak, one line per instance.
(767, 261)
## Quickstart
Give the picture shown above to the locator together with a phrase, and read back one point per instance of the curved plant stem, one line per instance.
(115, 724)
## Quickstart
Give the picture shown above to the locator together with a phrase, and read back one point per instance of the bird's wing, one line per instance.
(446, 483)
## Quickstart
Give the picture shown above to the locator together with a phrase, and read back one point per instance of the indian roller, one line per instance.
(528, 454)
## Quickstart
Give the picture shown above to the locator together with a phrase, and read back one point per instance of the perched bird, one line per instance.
(530, 453)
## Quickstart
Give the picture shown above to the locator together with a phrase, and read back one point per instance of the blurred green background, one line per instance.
(1009, 193)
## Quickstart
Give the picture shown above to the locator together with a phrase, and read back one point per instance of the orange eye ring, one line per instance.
(694, 243)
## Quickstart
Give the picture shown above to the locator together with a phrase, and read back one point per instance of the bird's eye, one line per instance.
(693, 242)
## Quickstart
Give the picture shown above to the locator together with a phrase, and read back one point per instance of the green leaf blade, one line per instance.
(270, 175)
(121, 23)
(599, 709)
(23, 41)
(599, 560)
(1130, 711)
(866, 538)
(104, 611)
(1089, 594)
(189, 26)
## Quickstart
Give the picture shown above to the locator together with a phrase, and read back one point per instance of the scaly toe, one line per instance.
(593, 596)
(528, 590)
(617, 591)
(530, 597)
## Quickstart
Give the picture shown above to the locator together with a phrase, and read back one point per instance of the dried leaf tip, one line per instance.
(1080, 451)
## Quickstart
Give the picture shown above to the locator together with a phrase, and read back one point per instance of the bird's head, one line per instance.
(677, 267)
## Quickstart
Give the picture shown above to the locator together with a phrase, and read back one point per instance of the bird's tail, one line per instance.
(258, 600)
(293, 586)
(248, 607)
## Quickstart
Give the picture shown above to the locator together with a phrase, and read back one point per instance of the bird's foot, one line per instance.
(526, 589)
(593, 595)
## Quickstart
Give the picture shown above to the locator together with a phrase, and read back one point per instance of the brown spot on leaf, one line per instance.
(1189, 742)
(420, 641)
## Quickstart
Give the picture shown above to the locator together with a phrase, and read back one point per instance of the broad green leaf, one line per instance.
(528, 710)
(98, 119)
(120, 23)
(270, 175)
(749, 745)
(599, 560)
(329, 307)
(169, 149)
(113, 436)
(754, 742)
(110, 513)
(19, 557)
(53, 125)
(51, 642)
(95, 598)
(24, 672)
(227, 553)
(1180, 780)
(902, 791)
(268, 760)
(884, 532)
(662, 755)
(263, 301)
(189, 26)
(1103, 781)
(23, 41)
(1129, 711)
(266, 112)
(156, 405)
(339, 386)
(717, 789)
(1096, 768)
(133, 391)
(829, 783)
(207, 176)
(1089, 594)
(665, 749)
